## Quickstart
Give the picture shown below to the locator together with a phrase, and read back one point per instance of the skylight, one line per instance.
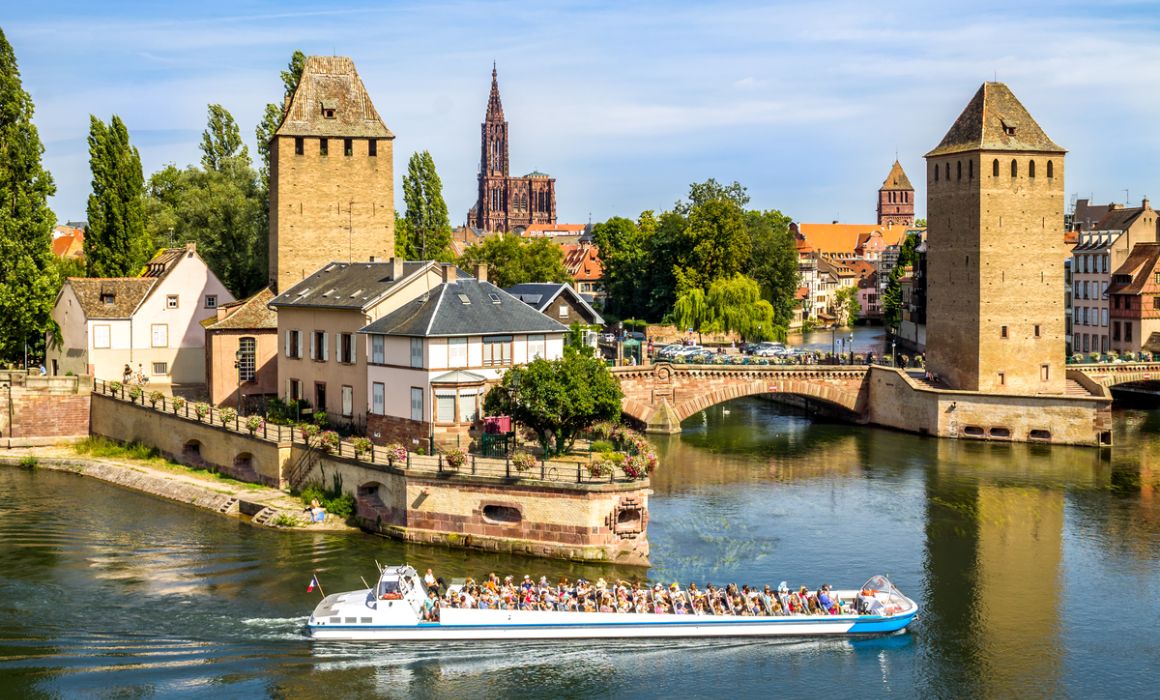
(466, 300)
(494, 297)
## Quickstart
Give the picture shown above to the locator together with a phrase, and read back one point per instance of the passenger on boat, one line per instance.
(431, 607)
(430, 582)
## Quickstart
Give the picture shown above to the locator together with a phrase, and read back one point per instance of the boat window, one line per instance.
(389, 587)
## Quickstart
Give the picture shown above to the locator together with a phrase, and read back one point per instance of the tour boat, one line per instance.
(394, 610)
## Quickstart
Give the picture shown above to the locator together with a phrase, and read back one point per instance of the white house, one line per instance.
(151, 323)
(433, 359)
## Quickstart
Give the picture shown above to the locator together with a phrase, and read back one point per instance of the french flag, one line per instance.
(313, 583)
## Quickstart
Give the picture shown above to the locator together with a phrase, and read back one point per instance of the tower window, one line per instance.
(936, 172)
(1037, 330)
(1031, 169)
(995, 168)
(948, 172)
(959, 170)
(970, 170)
(373, 148)
(299, 145)
(1002, 331)
(1014, 168)
(323, 147)
(348, 147)
(1050, 169)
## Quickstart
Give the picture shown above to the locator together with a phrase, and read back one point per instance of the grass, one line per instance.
(97, 446)
(29, 462)
(287, 520)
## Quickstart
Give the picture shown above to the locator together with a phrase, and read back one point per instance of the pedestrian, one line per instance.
(127, 375)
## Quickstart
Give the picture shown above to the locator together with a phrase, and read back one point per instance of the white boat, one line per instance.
(394, 610)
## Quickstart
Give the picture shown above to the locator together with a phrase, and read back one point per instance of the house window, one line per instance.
(108, 299)
(293, 344)
(497, 351)
(299, 145)
(416, 403)
(320, 396)
(1156, 302)
(1115, 330)
(378, 398)
(995, 168)
(348, 147)
(347, 401)
(1002, 331)
(373, 148)
(444, 406)
(1157, 278)
(171, 301)
(378, 349)
(319, 352)
(1014, 168)
(345, 348)
(563, 312)
(294, 390)
(323, 147)
(211, 301)
(160, 369)
(100, 336)
(1050, 169)
(1104, 317)
(416, 352)
(536, 347)
(1128, 331)
(456, 353)
(1036, 327)
(248, 350)
(159, 335)
(1044, 373)
(1031, 169)
(468, 405)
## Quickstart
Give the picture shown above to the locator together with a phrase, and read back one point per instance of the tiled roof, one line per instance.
(341, 285)
(1141, 265)
(124, 295)
(583, 262)
(994, 120)
(1119, 219)
(554, 230)
(863, 268)
(802, 293)
(897, 179)
(68, 242)
(248, 314)
(843, 238)
(539, 295)
(332, 82)
(464, 307)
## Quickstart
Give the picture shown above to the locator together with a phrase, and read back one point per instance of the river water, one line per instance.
(1038, 570)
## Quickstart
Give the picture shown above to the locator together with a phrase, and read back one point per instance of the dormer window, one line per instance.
(1009, 127)
(328, 108)
(107, 298)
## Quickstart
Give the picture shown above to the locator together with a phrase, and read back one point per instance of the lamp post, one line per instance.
(833, 344)
(893, 356)
(238, 367)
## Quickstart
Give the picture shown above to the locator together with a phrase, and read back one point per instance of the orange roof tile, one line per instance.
(843, 238)
(535, 230)
(583, 262)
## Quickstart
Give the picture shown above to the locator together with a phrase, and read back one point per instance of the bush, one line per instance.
(602, 446)
(155, 397)
(361, 446)
(281, 412)
(29, 462)
(227, 416)
(201, 410)
(115, 388)
(455, 458)
(335, 502)
(286, 520)
(135, 393)
(598, 469)
(523, 461)
(178, 404)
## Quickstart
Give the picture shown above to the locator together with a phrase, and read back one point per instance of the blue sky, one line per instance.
(625, 103)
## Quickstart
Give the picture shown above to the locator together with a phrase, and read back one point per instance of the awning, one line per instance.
(459, 378)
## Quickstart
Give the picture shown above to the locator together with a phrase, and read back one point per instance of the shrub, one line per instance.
(115, 388)
(598, 469)
(155, 397)
(523, 461)
(602, 430)
(329, 441)
(361, 446)
(135, 393)
(254, 424)
(227, 416)
(396, 453)
(602, 446)
(309, 432)
(29, 462)
(455, 457)
(178, 404)
(200, 410)
(333, 500)
(286, 520)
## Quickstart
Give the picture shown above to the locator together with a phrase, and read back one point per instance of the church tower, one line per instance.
(493, 164)
(332, 188)
(995, 317)
(896, 199)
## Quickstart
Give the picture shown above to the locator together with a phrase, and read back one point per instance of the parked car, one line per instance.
(669, 351)
(636, 335)
(688, 350)
(768, 349)
(607, 338)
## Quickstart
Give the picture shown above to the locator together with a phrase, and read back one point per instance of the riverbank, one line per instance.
(252, 503)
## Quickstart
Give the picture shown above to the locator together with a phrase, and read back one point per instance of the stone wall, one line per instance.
(37, 410)
(188, 441)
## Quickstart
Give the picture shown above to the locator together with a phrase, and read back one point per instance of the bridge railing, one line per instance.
(573, 471)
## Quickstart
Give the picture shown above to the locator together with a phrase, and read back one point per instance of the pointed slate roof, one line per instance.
(494, 106)
(897, 179)
(995, 120)
(330, 85)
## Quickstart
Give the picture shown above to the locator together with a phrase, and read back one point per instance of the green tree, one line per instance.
(427, 234)
(735, 305)
(774, 261)
(920, 223)
(624, 256)
(28, 283)
(892, 295)
(116, 244)
(557, 399)
(513, 260)
(704, 192)
(846, 306)
(272, 115)
(221, 142)
(717, 241)
(691, 311)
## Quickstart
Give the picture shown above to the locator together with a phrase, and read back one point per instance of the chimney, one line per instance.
(448, 272)
(1146, 204)
(481, 272)
(396, 269)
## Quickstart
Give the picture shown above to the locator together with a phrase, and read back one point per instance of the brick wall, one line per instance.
(37, 408)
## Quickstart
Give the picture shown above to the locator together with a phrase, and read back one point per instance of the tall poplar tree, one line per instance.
(116, 244)
(28, 283)
(427, 234)
(221, 142)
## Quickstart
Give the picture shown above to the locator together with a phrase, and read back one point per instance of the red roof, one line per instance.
(583, 262)
(802, 293)
(68, 242)
(549, 230)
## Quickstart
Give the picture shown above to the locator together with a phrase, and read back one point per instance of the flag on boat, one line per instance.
(313, 583)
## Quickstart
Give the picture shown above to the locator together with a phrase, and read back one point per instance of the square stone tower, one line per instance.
(995, 251)
(332, 191)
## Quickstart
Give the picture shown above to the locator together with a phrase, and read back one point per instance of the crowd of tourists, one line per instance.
(494, 593)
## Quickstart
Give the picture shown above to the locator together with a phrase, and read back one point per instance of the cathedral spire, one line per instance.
(494, 106)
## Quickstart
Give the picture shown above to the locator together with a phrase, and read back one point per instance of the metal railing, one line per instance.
(441, 464)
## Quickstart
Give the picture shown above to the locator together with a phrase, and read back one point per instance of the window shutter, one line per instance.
(325, 347)
(312, 349)
(288, 397)
(288, 344)
(354, 347)
(298, 345)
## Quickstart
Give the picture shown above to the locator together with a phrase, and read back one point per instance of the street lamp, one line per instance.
(893, 356)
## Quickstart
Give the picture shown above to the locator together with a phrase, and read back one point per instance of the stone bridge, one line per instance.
(1111, 374)
(661, 396)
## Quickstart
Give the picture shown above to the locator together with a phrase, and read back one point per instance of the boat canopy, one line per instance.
(885, 590)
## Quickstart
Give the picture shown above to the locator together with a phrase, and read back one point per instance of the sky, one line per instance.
(624, 103)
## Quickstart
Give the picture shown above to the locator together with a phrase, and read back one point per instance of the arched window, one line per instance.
(1014, 168)
(959, 170)
(1031, 168)
(970, 170)
(1050, 169)
(247, 352)
(936, 172)
(995, 168)
(948, 172)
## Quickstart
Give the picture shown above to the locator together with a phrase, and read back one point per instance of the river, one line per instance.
(1038, 570)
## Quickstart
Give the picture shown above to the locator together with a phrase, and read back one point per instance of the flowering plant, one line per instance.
(135, 393)
(200, 410)
(254, 424)
(598, 469)
(455, 457)
(154, 397)
(226, 415)
(115, 387)
(328, 441)
(178, 403)
(361, 446)
(396, 453)
(523, 461)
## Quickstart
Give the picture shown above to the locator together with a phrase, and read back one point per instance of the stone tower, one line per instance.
(896, 199)
(995, 253)
(331, 175)
(507, 203)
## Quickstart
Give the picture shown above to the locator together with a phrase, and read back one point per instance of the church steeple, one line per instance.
(896, 198)
(494, 106)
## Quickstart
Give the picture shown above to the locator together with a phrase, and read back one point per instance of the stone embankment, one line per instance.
(254, 504)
